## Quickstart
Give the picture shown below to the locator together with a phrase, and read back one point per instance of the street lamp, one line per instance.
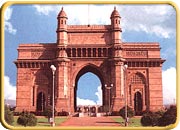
(53, 71)
(125, 94)
(109, 88)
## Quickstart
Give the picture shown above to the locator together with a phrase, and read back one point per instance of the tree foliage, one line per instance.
(169, 117)
(27, 119)
(151, 118)
(130, 112)
(8, 115)
(160, 118)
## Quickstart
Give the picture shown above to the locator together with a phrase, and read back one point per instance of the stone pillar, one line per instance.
(155, 88)
(143, 98)
(101, 52)
(81, 52)
(34, 98)
(91, 52)
(71, 52)
(76, 52)
(23, 101)
(96, 109)
(62, 86)
(86, 52)
(122, 74)
(118, 72)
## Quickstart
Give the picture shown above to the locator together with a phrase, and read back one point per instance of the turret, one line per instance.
(62, 28)
(115, 25)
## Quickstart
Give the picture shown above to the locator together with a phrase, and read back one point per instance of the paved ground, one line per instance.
(90, 121)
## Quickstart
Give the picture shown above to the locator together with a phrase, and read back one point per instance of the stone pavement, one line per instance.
(90, 121)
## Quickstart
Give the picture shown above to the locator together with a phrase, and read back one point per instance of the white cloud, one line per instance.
(169, 85)
(45, 10)
(91, 102)
(9, 89)
(8, 27)
(78, 14)
(85, 102)
(8, 14)
(7, 24)
(151, 19)
(159, 31)
(99, 95)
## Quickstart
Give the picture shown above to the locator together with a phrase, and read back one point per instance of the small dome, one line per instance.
(115, 13)
(62, 14)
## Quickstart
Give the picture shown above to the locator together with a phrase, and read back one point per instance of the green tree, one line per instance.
(169, 117)
(130, 112)
(27, 119)
(151, 118)
(8, 115)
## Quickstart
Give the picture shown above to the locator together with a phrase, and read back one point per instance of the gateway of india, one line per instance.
(130, 72)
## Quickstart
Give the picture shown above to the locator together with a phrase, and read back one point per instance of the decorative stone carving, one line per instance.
(136, 54)
(42, 54)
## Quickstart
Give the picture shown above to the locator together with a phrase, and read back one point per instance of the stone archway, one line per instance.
(138, 92)
(96, 71)
(41, 91)
(101, 49)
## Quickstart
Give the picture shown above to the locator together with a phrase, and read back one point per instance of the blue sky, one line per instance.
(140, 23)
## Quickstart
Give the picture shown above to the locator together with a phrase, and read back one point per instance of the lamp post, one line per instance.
(125, 95)
(109, 88)
(53, 71)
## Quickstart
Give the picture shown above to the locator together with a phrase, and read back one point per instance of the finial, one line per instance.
(114, 7)
(62, 8)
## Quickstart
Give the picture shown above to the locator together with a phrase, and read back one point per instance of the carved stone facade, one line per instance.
(89, 48)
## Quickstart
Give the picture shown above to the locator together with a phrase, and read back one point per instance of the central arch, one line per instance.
(88, 68)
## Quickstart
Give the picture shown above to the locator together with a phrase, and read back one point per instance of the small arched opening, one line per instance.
(138, 105)
(41, 102)
(138, 93)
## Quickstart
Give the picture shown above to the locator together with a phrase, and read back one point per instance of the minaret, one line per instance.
(62, 63)
(118, 60)
(116, 28)
(62, 28)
